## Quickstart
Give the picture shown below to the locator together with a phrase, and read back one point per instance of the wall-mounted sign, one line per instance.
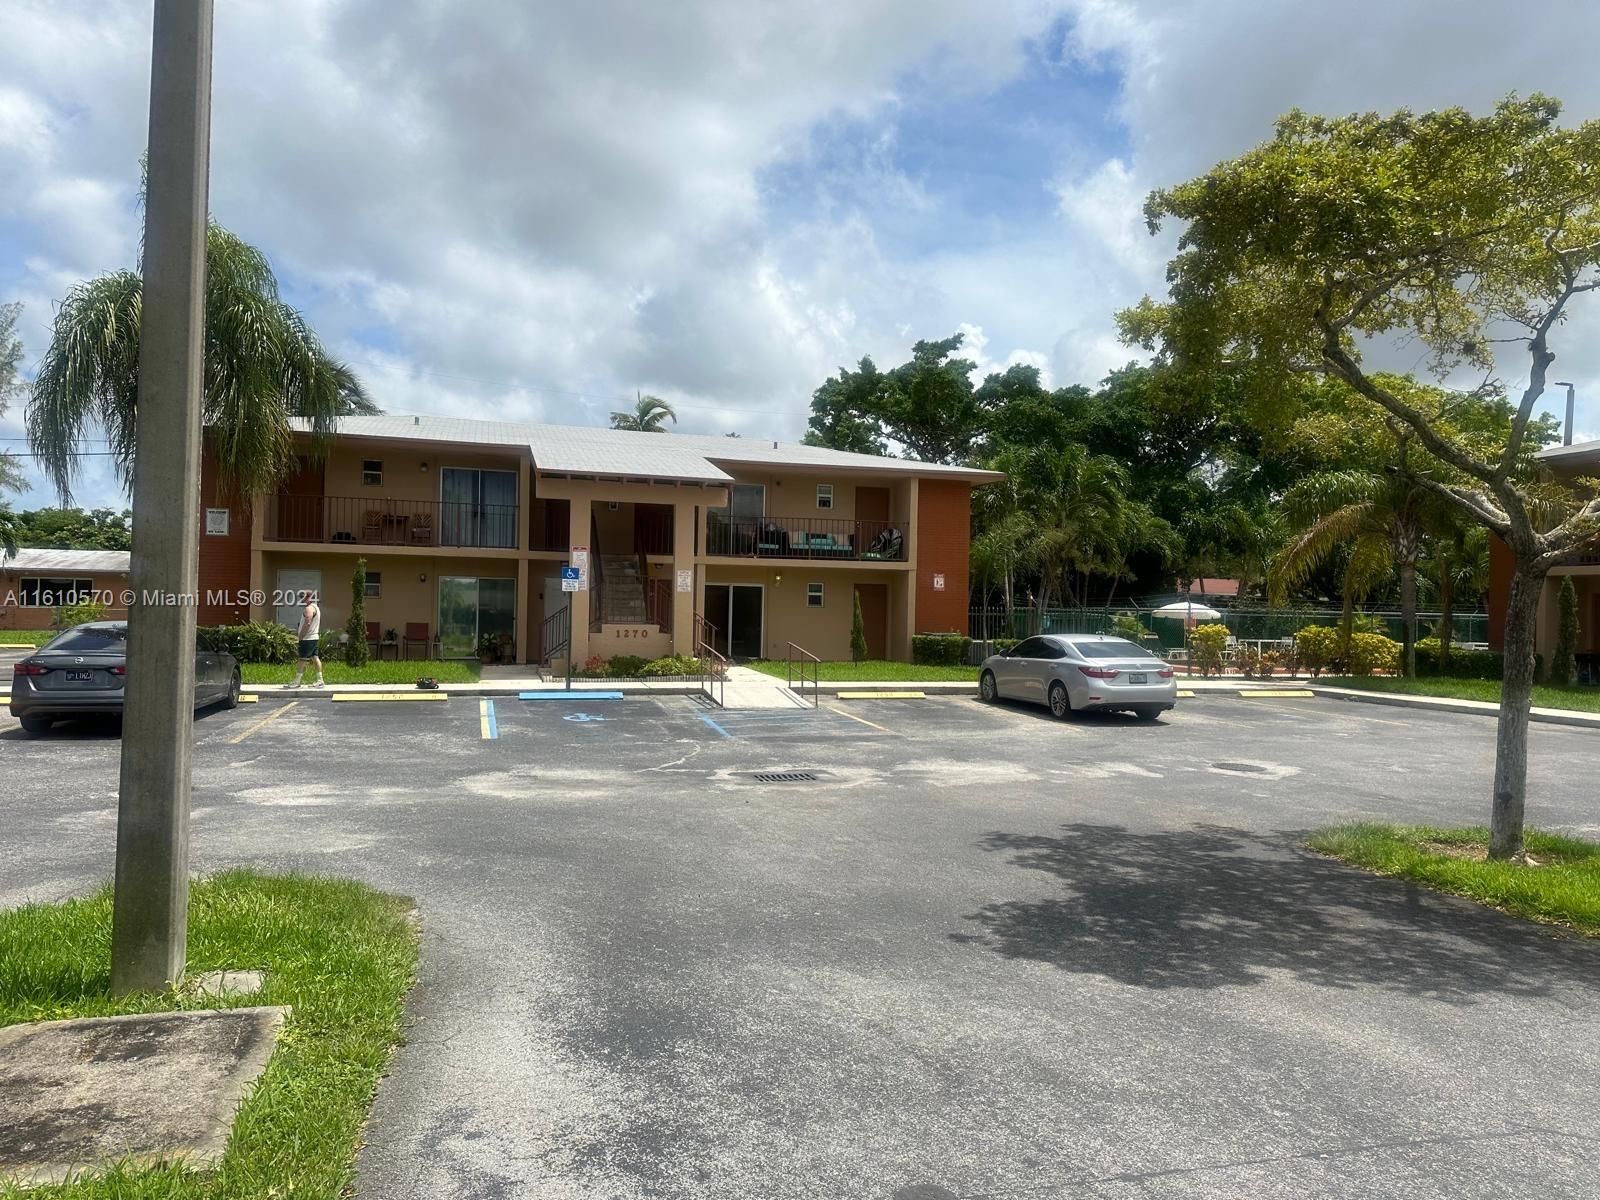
(686, 580)
(938, 583)
(217, 522)
(580, 557)
(571, 579)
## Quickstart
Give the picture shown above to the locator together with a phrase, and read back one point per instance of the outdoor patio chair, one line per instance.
(372, 525)
(374, 638)
(416, 635)
(422, 529)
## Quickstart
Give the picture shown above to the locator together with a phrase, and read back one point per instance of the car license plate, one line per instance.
(1138, 679)
(80, 676)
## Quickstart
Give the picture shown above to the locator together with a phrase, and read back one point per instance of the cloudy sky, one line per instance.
(521, 208)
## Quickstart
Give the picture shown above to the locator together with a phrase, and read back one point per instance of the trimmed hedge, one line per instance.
(257, 642)
(1462, 664)
(940, 649)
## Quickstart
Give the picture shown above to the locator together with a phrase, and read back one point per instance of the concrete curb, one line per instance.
(1480, 708)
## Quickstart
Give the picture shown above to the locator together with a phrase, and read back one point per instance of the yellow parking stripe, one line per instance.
(263, 723)
(1182, 695)
(882, 695)
(1274, 693)
(248, 699)
(389, 696)
(859, 720)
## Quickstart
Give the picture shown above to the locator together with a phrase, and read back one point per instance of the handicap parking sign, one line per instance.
(571, 579)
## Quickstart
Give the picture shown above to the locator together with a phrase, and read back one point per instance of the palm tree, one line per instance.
(264, 367)
(1381, 518)
(11, 477)
(1071, 506)
(646, 417)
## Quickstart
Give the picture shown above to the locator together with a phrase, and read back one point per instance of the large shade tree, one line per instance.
(1473, 237)
(264, 367)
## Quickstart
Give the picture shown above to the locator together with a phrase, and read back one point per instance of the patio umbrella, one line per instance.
(1185, 609)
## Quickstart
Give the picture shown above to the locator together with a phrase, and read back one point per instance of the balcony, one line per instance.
(375, 521)
(804, 538)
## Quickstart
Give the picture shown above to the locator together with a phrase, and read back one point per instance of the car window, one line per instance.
(1111, 648)
(91, 641)
(1050, 648)
(1029, 648)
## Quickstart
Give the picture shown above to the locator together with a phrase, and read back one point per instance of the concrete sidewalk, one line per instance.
(1550, 716)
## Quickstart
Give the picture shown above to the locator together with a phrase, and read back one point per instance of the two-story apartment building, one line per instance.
(1564, 462)
(466, 526)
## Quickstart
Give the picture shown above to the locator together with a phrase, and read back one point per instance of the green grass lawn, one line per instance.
(340, 953)
(454, 671)
(31, 637)
(870, 671)
(1583, 699)
(1563, 890)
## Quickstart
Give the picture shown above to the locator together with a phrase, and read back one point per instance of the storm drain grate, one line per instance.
(785, 776)
(1248, 768)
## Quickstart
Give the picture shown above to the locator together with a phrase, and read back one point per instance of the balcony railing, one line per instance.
(805, 537)
(375, 521)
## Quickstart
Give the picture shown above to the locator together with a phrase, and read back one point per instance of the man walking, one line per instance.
(310, 632)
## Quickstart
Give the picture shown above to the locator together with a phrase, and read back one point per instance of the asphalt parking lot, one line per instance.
(983, 954)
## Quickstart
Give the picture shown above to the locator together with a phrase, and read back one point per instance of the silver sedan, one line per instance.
(1075, 672)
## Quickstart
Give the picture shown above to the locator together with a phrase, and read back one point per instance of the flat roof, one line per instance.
(1576, 454)
(591, 450)
(112, 561)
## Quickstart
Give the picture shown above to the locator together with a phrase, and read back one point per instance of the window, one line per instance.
(92, 639)
(824, 495)
(813, 595)
(371, 472)
(374, 584)
(1111, 648)
(479, 508)
(51, 593)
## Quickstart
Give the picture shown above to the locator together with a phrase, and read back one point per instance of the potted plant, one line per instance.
(488, 649)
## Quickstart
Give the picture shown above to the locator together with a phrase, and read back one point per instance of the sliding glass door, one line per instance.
(478, 508)
(470, 607)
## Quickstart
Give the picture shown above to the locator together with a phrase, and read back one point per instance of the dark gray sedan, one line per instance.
(80, 672)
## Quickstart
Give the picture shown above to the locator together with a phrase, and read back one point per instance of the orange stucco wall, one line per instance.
(944, 532)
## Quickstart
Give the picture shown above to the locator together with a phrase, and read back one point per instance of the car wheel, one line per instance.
(987, 691)
(1148, 712)
(231, 700)
(35, 724)
(1060, 702)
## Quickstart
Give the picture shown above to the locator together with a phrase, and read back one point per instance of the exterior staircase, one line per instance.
(622, 586)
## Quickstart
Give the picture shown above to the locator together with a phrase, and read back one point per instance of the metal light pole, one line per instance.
(150, 917)
(1566, 435)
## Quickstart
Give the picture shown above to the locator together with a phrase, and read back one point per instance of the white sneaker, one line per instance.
(292, 684)
(319, 683)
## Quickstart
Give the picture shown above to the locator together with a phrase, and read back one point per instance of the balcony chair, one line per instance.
(422, 529)
(374, 638)
(372, 525)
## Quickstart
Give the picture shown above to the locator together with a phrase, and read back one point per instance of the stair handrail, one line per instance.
(714, 677)
(555, 633)
(795, 669)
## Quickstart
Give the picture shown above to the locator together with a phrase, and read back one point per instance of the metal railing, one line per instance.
(705, 635)
(555, 636)
(714, 676)
(795, 672)
(380, 521)
(805, 537)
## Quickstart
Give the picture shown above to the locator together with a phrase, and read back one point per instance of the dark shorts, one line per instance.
(308, 648)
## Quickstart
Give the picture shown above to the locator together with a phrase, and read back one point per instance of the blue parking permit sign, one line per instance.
(571, 579)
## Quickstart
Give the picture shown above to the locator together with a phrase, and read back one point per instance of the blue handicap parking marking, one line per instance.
(582, 696)
(714, 725)
(584, 717)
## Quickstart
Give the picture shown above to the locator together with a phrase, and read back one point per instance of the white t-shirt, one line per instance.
(311, 626)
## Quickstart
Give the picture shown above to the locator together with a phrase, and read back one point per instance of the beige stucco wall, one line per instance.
(794, 493)
(406, 596)
(824, 631)
(403, 476)
(1586, 580)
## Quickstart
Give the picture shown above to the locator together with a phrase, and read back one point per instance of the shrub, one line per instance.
(1462, 664)
(1564, 663)
(858, 633)
(356, 651)
(940, 649)
(1001, 645)
(626, 665)
(672, 664)
(1206, 644)
(1126, 625)
(595, 664)
(258, 642)
(1316, 647)
(1371, 652)
(1258, 663)
(68, 615)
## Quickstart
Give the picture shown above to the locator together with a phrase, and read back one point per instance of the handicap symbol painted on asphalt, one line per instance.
(584, 717)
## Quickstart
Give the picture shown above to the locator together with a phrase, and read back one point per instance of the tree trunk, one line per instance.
(1347, 621)
(1446, 614)
(1408, 618)
(1516, 696)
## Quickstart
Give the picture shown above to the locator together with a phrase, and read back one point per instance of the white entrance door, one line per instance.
(290, 585)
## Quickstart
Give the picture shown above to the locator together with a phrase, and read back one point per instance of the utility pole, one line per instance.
(150, 920)
(1566, 435)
